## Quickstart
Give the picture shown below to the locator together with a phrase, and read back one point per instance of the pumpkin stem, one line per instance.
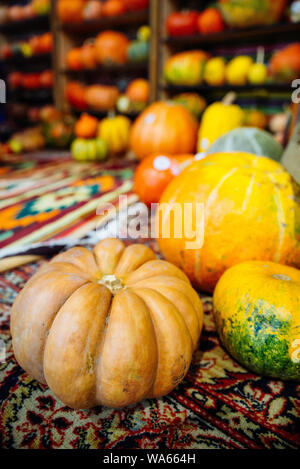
(113, 283)
(229, 98)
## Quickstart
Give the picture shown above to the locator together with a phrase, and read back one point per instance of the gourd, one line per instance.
(164, 127)
(285, 63)
(192, 101)
(218, 119)
(185, 68)
(101, 97)
(248, 210)
(112, 47)
(256, 311)
(138, 51)
(246, 13)
(110, 326)
(249, 140)
(89, 150)
(115, 131)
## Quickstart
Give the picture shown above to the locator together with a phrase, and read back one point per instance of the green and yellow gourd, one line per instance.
(256, 310)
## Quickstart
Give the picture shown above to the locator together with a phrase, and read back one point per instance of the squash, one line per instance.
(88, 56)
(285, 63)
(110, 326)
(112, 47)
(247, 210)
(138, 51)
(69, 12)
(185, 68)
(259, 324)
(249, 140)
(255, 118)
(164, 127)
(101, 97)
(75, 94)
(193, 102)
(155, 172)
(89, 149)
(74, 59)
(86, 126)
(59, 133)
(218, 119)
(246, 13)
(138, 90)
(115, 131)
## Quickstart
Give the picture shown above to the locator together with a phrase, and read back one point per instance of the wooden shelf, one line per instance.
(40, 96)
(284, 87)
(92, 27)
(269, 34)
(39, 23)
(102, 114)
(40, 61)
(129, 67)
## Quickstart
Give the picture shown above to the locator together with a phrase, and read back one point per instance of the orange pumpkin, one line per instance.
(285, 63)
(75, 93)
(113, 8)
(70, 10)
(138, 90)
(101, 97)
(74, 60)
(139, 314)
(86, 126)
(164, 127)
(155, 172)
(250, 213)
(88, 56)
(112, 47)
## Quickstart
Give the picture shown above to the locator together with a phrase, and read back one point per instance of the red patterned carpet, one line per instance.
(218, 405)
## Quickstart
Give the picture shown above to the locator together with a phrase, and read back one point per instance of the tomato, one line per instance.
(210, 21)
(31, 81)
(182, 23)
(155, 172)
(46, 79)
(133, 5)
(15, 79)
(75, 93)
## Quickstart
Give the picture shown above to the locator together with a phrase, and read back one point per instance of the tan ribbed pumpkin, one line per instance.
(110, 326)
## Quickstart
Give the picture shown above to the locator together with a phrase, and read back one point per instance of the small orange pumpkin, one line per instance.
(137, 313)
(285, 63)
(112, 47)
(74, 59)
(164, 127)
(75, 94)
(101, 97)
(138, 90)
(70, 10)
(114, 8)
(86, 126)
(89, 56)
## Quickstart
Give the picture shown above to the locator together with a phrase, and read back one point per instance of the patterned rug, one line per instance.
(218, 405)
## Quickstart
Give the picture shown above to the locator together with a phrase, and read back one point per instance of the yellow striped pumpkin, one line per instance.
(250, 213)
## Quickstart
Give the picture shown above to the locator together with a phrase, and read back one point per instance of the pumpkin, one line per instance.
(138, 51)
(88, 56)
(115, 131)
(113, 8)
(255, 118)
(70, 11)
(285, 63)
(139, 314)
(259, 324)
(164, 127)
(138, 90)
(101, 97)
(246, 13)
(250, 213)
(210, 21)
(93, 9)
(59, 133)
(193, 102)
(249, 140)
(218, 119)
(185, 68)
(75, 94)
(86, 126)
(155, 172)
(74, 60)
(89, 150)
(112, 47)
